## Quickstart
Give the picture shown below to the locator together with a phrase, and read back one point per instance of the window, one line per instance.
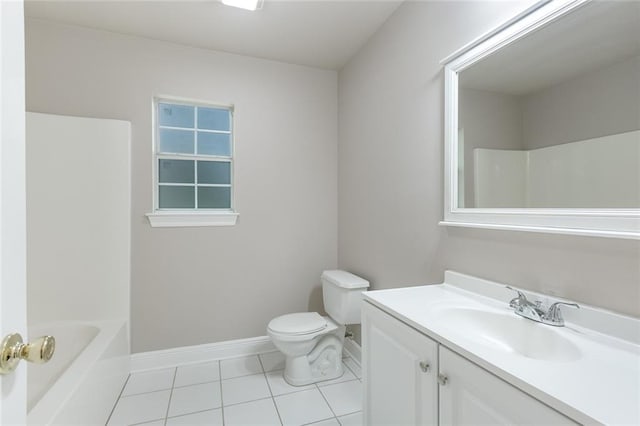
(193, 160)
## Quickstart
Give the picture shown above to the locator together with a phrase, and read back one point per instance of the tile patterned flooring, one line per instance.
(239, 391)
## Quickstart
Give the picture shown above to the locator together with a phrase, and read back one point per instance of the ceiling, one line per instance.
(320, 33)
(593, 37)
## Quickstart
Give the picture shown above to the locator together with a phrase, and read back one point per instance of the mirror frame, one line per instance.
(616, 223)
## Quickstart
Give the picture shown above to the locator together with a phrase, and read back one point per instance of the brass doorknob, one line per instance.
(12, 350)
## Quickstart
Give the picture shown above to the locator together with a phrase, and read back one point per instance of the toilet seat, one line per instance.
(298, 324)
(304, 326)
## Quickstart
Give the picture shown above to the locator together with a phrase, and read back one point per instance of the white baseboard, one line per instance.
(186, 355)
(353, 349)
(200, 353)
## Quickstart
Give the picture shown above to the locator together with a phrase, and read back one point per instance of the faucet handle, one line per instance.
(554, 315)
(517, 301)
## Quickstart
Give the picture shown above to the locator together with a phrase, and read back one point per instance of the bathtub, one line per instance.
(83, 380)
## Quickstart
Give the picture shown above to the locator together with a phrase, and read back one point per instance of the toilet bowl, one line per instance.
(312, 344)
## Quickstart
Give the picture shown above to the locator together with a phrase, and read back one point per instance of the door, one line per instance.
(13, 296)
(471, 395)
(399, 371)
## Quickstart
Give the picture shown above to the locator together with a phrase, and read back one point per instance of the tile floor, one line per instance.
(238, 391)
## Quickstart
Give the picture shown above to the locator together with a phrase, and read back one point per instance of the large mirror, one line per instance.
(543, 122)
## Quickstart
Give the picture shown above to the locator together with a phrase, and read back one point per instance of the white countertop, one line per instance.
(600, 384)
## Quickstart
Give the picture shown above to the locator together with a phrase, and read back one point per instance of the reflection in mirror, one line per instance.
(553, 119)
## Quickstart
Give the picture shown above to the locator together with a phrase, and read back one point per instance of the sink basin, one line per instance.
(509, 332)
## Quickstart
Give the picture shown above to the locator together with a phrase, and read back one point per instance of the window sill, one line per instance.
(174, 219)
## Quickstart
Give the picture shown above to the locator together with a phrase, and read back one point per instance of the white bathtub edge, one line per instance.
(186, 355)
(73, 396)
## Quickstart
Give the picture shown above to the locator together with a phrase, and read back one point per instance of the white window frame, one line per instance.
(193, 216)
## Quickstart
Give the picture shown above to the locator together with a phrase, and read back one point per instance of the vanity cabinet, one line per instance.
(399, 370)
(410, 379)
(472, 395)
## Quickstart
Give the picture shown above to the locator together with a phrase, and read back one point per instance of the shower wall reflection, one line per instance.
(581, 90)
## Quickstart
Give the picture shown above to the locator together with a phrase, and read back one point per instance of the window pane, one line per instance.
(214, 119)
(214, 144)
(176, 115)
(176, 141)
(214, 198)
(176, 197)
(216, 172)
(176, 171)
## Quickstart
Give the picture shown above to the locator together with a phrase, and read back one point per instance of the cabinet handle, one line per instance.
(442, 379)
(424, 366)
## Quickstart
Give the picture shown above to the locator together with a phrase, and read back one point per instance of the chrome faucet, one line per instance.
(534, 311)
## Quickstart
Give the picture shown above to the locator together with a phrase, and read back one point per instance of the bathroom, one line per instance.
(318, 90)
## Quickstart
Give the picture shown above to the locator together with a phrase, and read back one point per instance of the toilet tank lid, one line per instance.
(344, 279)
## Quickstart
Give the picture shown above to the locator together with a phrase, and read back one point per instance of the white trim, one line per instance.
(353, 349)
(192, 157)
(467, 47)
(195, 129)
(613, 223)
(173, 219)
(13, 294)
(186, 355)
(544, 229)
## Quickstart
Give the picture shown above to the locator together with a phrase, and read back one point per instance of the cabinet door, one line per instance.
(399, 388)
(473, 396)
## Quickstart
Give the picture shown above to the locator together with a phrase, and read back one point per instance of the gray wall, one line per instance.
(391, 175)
(200, 285)
(600, 103)
(490, 120)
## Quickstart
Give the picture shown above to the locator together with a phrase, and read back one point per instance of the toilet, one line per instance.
(313, 343)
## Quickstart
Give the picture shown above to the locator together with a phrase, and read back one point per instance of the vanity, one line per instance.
(542, 134)
(456, 353)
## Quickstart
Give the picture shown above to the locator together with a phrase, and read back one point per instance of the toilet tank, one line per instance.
(342, 295)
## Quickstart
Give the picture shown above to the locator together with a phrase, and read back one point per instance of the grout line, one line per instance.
(273, 399)
(195, 412)
(337, 383)
(195, 384)
(117, 399)
(350, 413)
(166, 414)
(221, 396)
(323, 420)
(327, 402)
(246, 402)
(319, 421)
(264, 373)
(146, 422)
(243, 375)
(142, 393)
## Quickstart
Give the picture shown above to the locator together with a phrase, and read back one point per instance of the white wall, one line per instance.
(596, 173)
(78, 218)
(391, 175)
(200, 285)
